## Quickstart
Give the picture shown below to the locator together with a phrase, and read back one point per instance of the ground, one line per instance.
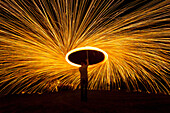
(98, 102)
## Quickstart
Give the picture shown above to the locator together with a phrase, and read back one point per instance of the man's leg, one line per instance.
(85, 92)
(82, 90)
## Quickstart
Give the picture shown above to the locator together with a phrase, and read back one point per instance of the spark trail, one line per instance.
(36, 35)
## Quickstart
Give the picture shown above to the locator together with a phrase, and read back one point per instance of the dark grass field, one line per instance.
(98, 102)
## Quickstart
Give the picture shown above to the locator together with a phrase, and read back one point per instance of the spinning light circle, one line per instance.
(82, 49)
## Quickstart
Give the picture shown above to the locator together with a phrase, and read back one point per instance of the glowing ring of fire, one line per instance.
(85, 48)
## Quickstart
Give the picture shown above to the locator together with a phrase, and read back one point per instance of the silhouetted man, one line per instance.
(84, 79)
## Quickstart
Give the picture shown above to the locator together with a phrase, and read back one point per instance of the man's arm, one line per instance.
(87, 60)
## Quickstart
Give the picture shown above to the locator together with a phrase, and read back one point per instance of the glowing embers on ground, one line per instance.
(95, 55)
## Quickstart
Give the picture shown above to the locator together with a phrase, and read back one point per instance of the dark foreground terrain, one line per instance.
(98, 102)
